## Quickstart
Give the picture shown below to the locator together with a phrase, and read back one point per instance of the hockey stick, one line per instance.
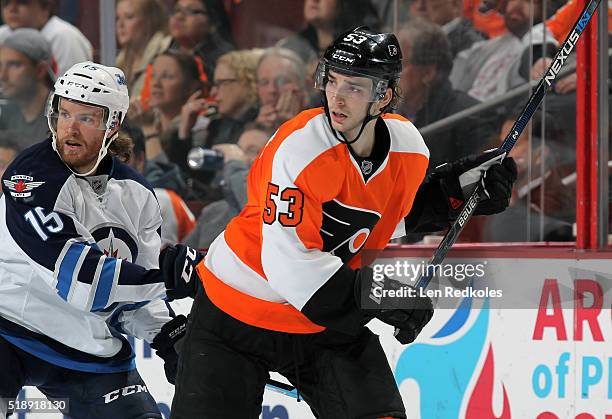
(507, 145)
(468, 209)
(282, 388)
(534, 101)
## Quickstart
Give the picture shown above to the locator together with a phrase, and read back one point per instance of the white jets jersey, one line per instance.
(79, 261)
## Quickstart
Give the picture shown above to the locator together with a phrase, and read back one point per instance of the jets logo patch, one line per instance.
(116, 242)
(121, 79)
(21, 186)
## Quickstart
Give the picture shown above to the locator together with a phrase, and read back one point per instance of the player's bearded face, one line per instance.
(348, 98)
(80, 132)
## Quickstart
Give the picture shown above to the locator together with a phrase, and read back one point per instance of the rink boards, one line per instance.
(541, 350)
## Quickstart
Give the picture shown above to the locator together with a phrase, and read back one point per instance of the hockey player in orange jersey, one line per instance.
(282, 285)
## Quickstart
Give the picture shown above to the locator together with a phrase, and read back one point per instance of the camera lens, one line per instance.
(200, 158)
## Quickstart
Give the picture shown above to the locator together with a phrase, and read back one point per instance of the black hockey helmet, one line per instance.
(365, 53)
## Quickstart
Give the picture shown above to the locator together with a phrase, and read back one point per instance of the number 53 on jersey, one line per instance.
(294, 198)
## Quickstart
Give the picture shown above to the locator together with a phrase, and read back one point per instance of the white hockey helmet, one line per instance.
(92, 84)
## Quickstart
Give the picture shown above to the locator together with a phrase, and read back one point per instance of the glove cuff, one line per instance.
(170, 333)
(454, 195)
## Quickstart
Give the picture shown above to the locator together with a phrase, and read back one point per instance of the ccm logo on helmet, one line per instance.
(76, 84)
(343, 58)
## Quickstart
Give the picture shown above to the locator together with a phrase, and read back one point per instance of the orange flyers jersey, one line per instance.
(310, 215)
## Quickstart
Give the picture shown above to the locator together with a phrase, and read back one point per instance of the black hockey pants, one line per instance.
(224, 364)
(88, 395)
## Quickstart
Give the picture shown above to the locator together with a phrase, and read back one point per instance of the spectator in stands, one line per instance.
(280, 86)
(447, 14)
(542, 206)
(235, 94)
(26, 78)
(237, 161)
(427, 95)
(325, 20)
(68, 45)
(201, 28)
(560, 24)
(486, 16)
(141, 35)
(9, 148)
(174, 79)
(166, 175)
(490, 68)
(416, 8)
(177, 219)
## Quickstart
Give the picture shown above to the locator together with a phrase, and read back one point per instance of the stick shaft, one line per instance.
(532, 104)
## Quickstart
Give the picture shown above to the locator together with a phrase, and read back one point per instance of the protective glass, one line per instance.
(361, 86)
(90, 117)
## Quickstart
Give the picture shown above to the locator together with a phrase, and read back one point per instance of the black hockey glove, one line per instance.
(178, 264)
(164, 342)
(393, 303)
(495, 172)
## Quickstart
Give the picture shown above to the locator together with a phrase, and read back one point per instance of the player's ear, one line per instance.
(386, 99)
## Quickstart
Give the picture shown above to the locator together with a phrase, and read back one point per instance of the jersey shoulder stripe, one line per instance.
(302, 147)
(405, 137)
(289, 129)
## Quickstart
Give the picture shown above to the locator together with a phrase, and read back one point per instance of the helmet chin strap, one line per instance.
(344, 140)
(101, 154)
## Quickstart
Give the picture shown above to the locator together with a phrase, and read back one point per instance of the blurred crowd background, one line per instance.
(211, 80)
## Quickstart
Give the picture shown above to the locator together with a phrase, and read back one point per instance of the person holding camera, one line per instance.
(236, 160)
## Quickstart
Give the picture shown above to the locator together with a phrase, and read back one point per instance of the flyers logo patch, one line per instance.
(21, 186)
(346, 229)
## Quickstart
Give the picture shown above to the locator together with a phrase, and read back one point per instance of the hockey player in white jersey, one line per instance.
(80, 234)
